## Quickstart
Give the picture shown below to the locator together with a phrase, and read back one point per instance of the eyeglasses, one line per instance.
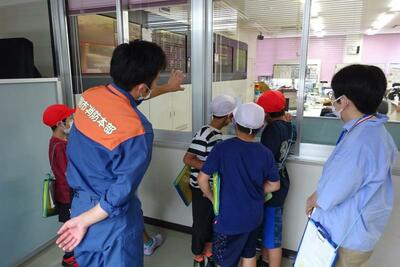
(333, 99)
(331, 96)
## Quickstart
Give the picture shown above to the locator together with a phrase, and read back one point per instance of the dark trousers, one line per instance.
(203, 218)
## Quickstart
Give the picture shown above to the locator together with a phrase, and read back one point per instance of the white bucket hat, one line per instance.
(249, 115)
(223, 105)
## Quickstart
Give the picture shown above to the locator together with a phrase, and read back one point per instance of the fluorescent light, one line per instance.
(317, 24)
(382, 20)
(371, 31)
(395, 6)
(320, 33)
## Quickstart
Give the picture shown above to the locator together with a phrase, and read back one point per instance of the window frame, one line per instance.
(200, 74)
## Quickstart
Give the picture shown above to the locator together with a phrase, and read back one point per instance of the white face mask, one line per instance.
(68, 130)
(338, 113)
(142, 98)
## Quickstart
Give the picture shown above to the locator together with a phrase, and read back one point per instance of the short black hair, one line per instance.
(277, 114)
(247, 130)
(364, 85)
(136, 62)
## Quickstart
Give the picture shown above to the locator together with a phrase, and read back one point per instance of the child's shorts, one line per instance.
(272, 232)
(228, 249)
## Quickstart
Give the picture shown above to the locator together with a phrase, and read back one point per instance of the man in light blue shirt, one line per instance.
(357, 178)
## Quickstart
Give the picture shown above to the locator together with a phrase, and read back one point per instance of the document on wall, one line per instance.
(316, 248)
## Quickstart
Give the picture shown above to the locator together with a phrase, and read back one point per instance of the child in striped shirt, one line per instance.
(203, 142)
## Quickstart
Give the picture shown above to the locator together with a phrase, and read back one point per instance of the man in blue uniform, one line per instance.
(354, 196)
(109, 152)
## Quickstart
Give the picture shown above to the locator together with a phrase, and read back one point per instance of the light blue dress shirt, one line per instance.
(358, 177)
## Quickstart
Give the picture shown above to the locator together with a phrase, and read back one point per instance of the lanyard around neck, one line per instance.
(359, 121)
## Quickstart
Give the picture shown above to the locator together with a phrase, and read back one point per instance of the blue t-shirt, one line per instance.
(243, 168)
(278, 136)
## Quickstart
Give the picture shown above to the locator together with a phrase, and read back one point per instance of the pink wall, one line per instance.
(330, 50)
(273, 51)
(383, 48)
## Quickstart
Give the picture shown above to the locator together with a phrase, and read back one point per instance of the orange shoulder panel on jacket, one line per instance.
(106, 116)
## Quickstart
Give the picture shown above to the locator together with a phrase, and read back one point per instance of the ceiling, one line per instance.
(284, 17)
(275, 18)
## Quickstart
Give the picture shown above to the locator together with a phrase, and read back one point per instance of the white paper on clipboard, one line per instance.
(316, 248)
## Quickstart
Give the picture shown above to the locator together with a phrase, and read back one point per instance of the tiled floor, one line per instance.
(175, 252)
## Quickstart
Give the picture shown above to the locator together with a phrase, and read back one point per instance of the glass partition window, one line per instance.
(97, 40)
(174, 46)
(257, 50)
(26, 49)
(167, 25)
(257, 47)
(161, 22)
(344, 33)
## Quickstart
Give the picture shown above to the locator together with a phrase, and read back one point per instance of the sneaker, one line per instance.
(157, 241)
(211, 262)
(198, 264)
(69, 261)
(261, 263)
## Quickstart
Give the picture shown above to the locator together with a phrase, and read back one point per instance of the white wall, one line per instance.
(160, 201)
(30, 20)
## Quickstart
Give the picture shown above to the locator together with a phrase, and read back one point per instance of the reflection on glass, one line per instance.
(241, 63)
(97, 40)
(265, 40)
(224, 58)
(174, 46)
(97, 35)
(338, 39)
(167, 24)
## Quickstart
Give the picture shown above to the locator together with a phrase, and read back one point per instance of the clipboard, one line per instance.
(316, 247)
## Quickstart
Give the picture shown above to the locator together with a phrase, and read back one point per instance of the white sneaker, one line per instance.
(157, 241)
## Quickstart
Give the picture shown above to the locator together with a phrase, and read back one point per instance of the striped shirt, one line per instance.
(202, 143)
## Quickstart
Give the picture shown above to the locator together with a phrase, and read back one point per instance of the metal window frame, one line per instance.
(170, 138)
(302, 73)
(58, 13)
(201, 75)
(122, 11)
(75, 54)
(201, 63)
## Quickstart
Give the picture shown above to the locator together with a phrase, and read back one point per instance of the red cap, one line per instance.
(272, 101)
(56, 113)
